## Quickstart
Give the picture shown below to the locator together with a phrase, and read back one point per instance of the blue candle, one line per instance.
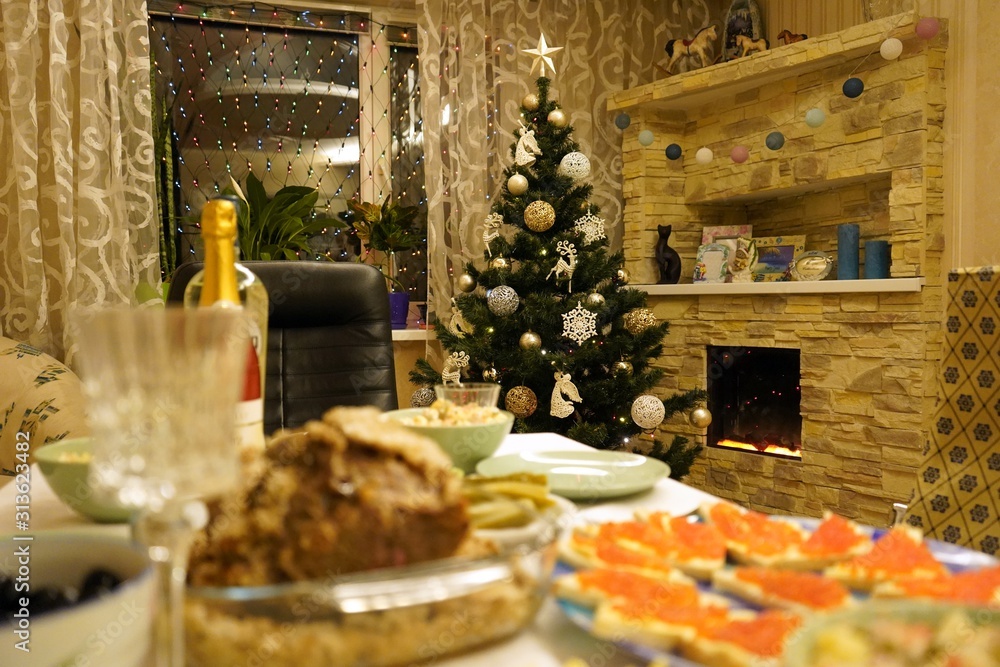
(876, 259)
(848, 235)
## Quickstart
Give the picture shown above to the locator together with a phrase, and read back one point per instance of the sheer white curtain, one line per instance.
(473, 77)
(77, 197)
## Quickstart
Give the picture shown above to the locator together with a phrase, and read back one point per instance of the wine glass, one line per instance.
(161, 386)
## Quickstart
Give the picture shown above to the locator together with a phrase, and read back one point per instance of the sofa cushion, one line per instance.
(40, 398)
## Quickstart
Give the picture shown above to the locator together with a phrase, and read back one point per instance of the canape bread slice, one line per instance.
(752, 641)
(900, 552)
(800, 592)
(591, 587)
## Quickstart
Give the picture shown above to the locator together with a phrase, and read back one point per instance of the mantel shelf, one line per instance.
(699, 87)
(803, 287)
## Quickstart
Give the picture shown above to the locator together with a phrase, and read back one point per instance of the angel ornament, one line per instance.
(492, 230)
(527, 148)
(564, 389)
(453, 365)
(566, 264)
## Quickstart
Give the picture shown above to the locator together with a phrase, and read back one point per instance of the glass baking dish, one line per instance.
(384, 617)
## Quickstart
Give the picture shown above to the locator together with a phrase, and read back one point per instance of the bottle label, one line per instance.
(250, 423)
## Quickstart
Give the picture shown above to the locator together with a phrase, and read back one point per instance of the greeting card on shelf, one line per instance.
(710, 266)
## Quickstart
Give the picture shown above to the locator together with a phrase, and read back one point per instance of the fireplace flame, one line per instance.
(763, 448)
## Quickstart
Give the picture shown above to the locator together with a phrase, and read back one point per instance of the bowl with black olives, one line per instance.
(74, 598)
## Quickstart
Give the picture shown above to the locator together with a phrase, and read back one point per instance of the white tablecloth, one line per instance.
(548, 642)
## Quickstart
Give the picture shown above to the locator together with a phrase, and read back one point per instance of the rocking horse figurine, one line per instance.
(747, 46)
(789, 37)
(701, 46)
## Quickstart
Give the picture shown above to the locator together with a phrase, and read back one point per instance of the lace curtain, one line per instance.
(77, 195)
(473, 77)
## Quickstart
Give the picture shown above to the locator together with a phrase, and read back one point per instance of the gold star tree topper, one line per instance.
(542, 56)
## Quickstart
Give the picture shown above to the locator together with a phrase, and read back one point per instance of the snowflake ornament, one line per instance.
(592, 228)
(579, 324)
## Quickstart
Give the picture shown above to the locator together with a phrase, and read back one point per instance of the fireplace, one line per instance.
(753, 394)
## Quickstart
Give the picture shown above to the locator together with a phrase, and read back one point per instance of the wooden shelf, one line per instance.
(803, 287)
(400, 335)
(700, 87)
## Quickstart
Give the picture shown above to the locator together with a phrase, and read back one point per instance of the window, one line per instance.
(329, 101)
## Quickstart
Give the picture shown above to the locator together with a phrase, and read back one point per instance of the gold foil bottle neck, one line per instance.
(218, 219)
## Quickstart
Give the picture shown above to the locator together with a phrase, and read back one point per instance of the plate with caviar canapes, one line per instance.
(728, 586)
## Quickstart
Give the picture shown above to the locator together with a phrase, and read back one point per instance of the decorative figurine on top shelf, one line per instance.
(700, 47)
(786, 36)
(748, 46)
(667, 258)
(744, 260)
(743, 18)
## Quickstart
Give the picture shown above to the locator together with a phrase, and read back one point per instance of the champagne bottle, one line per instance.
(224, 282)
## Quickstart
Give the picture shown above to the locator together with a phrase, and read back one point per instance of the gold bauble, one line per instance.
(466, 283)
(500, 263)
(622, 367)
(539, 216)
(558, 118)
(638, 320)
(700, 418)
(530, 102)
(517, 184)
(491, 375)
(622, 277)
(521, 401)
(595, 300)
(530, 341)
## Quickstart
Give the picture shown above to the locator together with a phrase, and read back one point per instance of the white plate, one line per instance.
(582, 475)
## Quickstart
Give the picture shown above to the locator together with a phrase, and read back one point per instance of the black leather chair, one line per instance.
(329, 339)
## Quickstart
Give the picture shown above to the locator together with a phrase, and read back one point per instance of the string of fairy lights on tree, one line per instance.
(278, 92)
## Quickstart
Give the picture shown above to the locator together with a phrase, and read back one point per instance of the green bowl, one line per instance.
(466, 445)
(68, 478)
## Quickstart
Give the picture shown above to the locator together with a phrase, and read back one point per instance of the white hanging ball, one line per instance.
(704, 155)
(517, 184)
(502, 300)
(646, 137)
(648, 412)
(891, 48)
(576, 165)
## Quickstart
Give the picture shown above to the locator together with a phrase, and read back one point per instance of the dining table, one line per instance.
(552, 640)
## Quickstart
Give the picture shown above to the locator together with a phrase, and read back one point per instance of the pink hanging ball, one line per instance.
(740, 154)
(928, 27)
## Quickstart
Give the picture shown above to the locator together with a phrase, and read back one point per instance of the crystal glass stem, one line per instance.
(167, 536)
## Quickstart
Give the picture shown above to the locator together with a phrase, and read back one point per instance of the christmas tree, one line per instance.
(548, 314)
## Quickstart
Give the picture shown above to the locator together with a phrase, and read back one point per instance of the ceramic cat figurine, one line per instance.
(666, 257)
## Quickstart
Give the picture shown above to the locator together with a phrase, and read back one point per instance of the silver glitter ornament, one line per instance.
(422, 397)
(502, 300)
(576, 165)
(648, 412)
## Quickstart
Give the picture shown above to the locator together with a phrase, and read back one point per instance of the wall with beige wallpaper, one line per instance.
(972, 124)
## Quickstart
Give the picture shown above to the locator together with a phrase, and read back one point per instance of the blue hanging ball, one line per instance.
(646, 137)
(622, 121)
(775, 141)
(853, 87)
(815, 117)
(673, 152)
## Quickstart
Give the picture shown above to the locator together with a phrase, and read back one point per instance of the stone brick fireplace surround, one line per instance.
(869, 350)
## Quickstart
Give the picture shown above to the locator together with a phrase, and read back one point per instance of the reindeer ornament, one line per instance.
(566, 264)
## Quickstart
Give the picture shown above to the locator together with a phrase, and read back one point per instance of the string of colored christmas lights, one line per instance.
(280, 93)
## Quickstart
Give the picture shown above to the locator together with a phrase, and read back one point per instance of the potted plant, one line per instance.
(277, 227)
(386, 230)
